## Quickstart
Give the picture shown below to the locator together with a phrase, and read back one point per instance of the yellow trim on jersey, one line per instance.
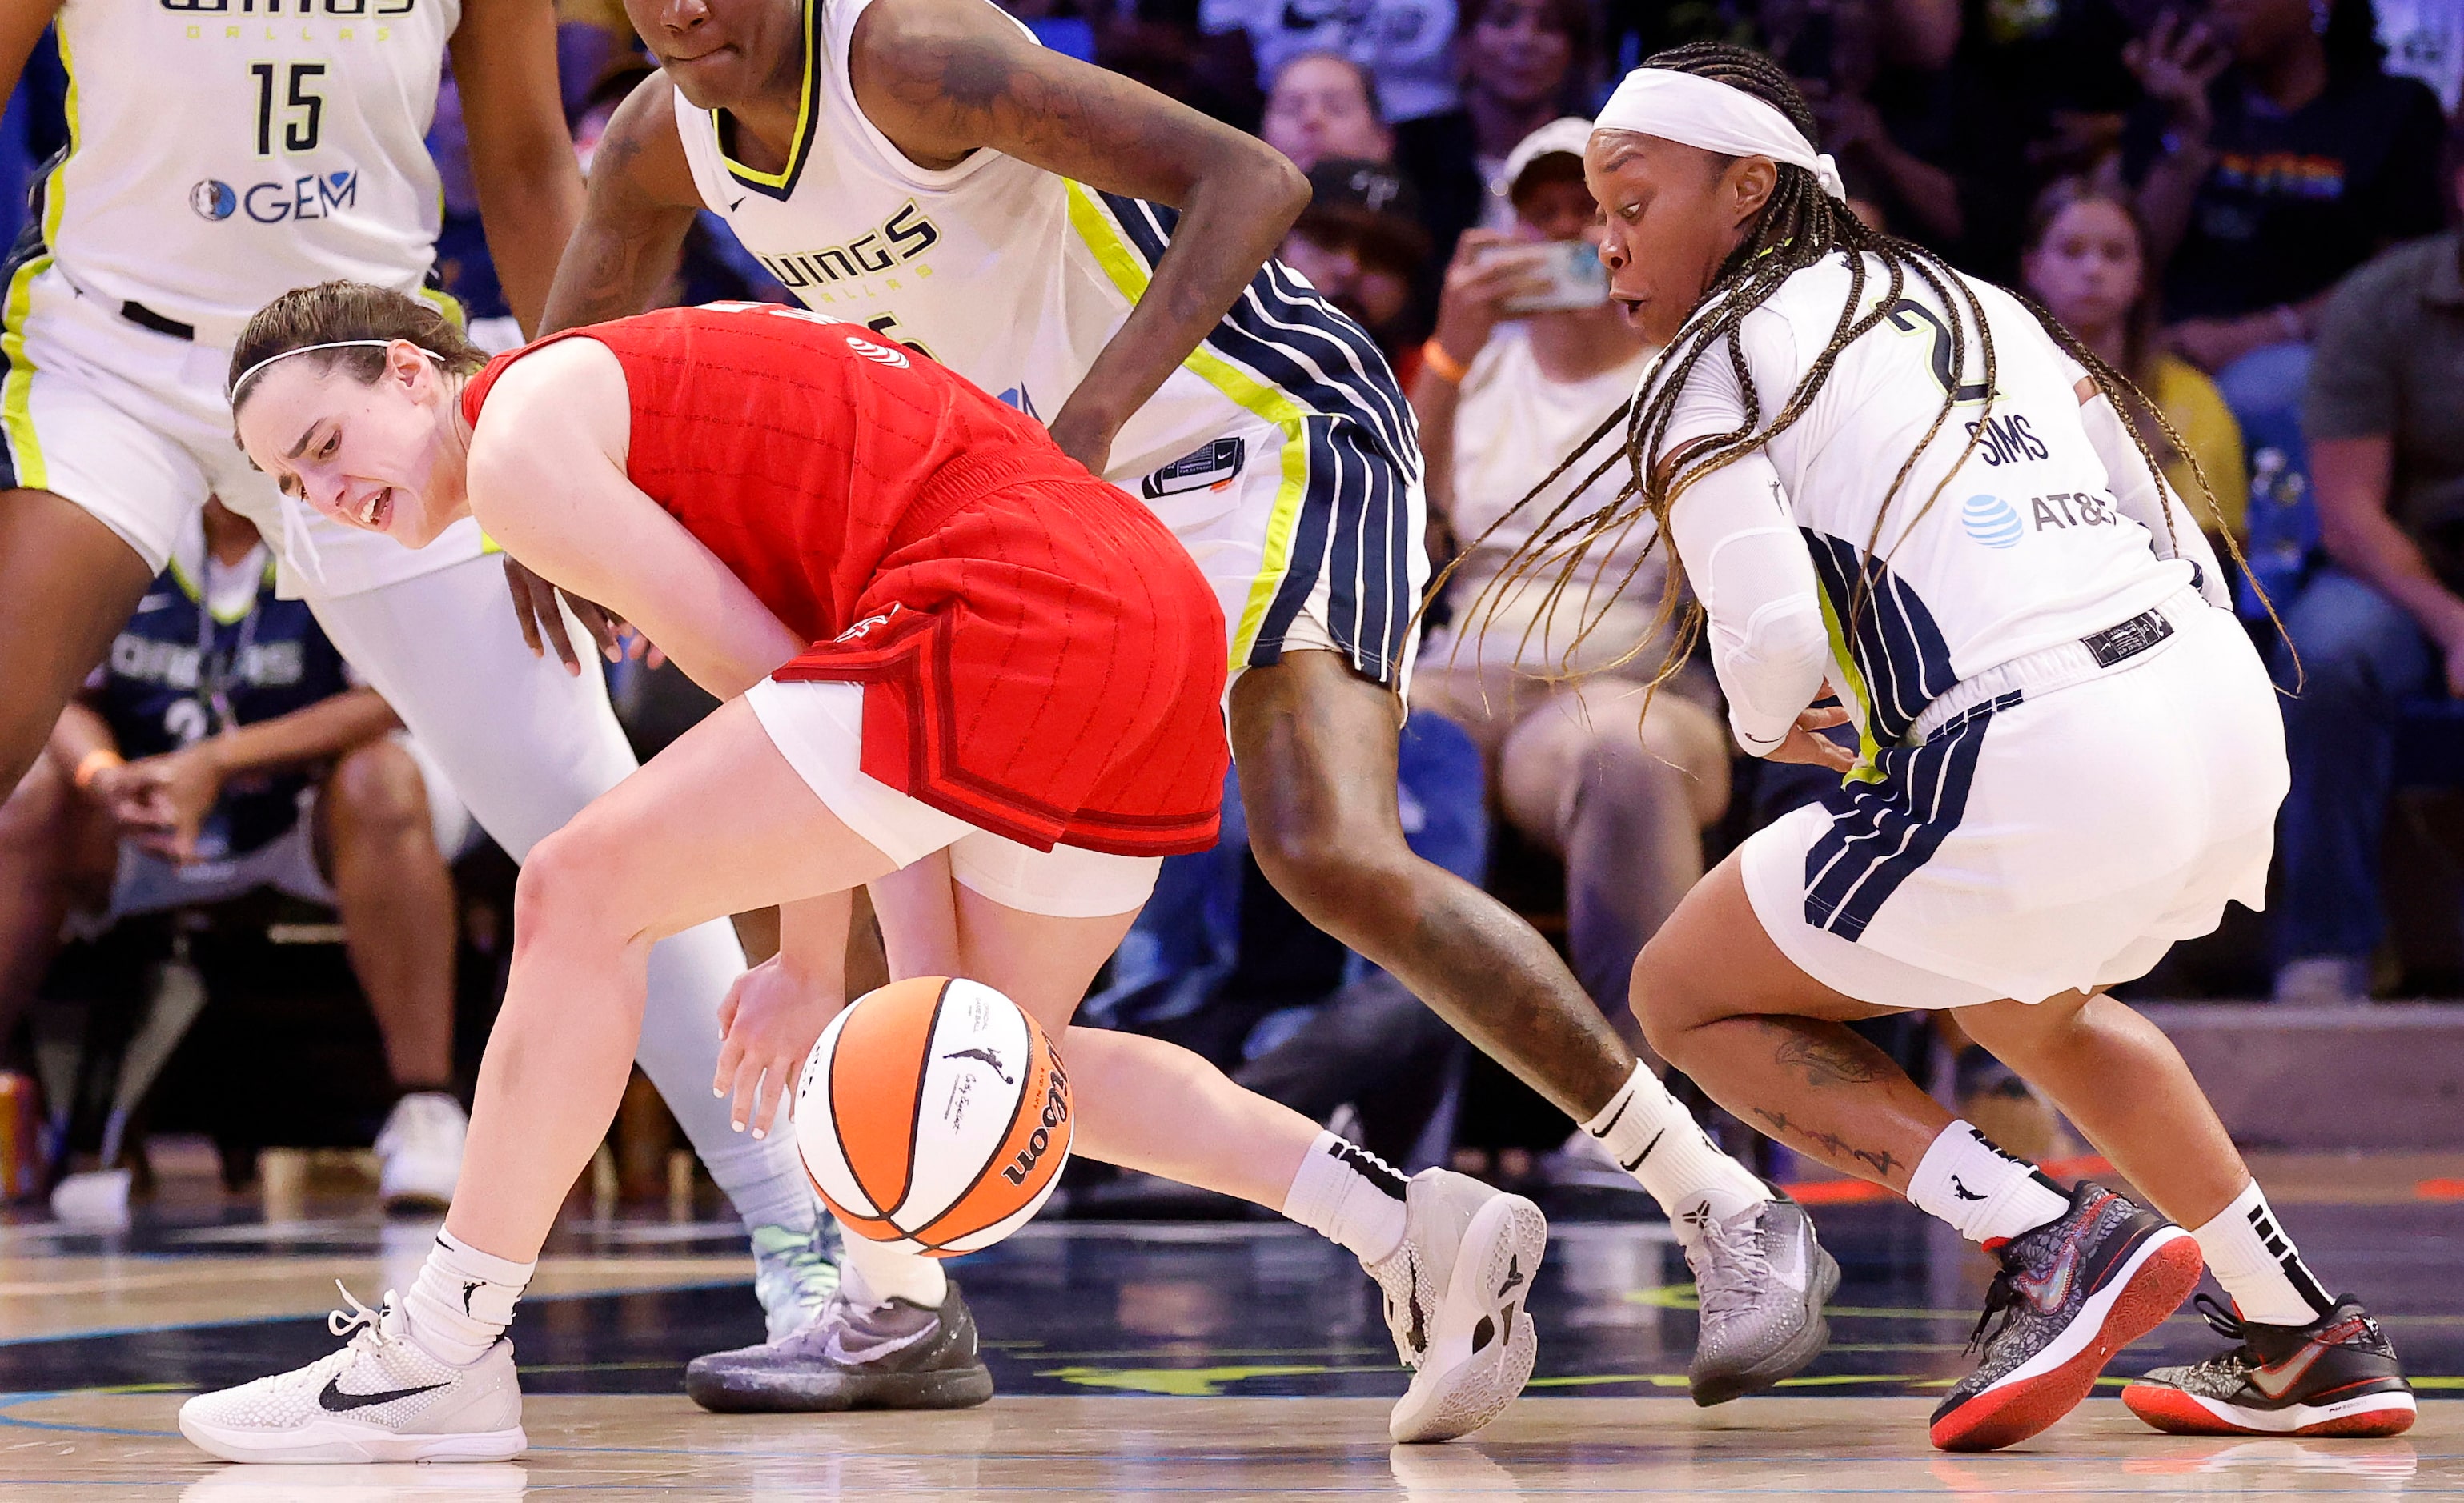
(1128, 272)
(17, 388)
(805, 117)
(450, 307)
(1868, 750)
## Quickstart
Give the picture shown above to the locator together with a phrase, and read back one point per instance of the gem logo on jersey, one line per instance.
(1991, 521)
(308, 196)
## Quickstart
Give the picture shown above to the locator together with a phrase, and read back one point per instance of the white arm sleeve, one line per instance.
(2150, 501)
(1739, 543)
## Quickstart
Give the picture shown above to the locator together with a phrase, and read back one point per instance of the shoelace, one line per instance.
(2002, 1299)
(1745, 1266)
(362, 1326)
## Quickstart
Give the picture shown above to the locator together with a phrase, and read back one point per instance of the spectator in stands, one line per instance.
(1323, 104)
(222, 749)
(1524, 64)
(1361, 242)
(1578, 768)
(2086, 260)
(2425, 40)
(2275, 155)
(1406, 44)
(2384, 620)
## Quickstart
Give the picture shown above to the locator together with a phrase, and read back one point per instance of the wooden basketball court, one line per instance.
(1215, 1359)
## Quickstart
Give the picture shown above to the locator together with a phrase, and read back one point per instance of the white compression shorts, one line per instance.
(819, 727)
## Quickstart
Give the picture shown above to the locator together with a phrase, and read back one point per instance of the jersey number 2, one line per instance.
(1904, 316)
(304, 107)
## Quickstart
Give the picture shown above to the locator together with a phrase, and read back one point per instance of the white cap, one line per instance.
(1568, 133)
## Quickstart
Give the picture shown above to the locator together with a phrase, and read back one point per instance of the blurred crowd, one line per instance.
(2244, 204)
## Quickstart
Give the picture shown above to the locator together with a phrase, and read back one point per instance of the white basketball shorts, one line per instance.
(2037, 844)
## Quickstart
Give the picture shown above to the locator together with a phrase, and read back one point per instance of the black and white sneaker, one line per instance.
(381, 1398)
(2070, 1294)
(897, 1355)
(1455, 1296)
(2336, 1375)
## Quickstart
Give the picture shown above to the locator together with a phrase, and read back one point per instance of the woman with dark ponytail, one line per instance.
(1893, 483)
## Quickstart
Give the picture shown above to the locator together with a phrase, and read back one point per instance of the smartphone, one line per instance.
(1564, 273)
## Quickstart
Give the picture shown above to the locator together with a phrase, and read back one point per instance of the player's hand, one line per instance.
(543, 624)
(1806, 742)
(767, 1026)
(1084, 437)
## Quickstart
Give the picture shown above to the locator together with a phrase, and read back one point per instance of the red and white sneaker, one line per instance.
(2336, 1375)
(2070, 1295)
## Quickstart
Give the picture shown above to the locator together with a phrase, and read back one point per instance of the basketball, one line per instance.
(933, 1115)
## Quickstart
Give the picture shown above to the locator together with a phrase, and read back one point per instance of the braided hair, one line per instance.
(1798, 227)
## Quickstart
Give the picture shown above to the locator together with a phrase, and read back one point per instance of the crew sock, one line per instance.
(872, 1274)
(1980, 1191)
(1656, 1140)
(1350, 1196)
(2247, 1251)
(765, 1181)
(462, 1300)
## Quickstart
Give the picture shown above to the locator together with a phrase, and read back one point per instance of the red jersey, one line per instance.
(1041, 658)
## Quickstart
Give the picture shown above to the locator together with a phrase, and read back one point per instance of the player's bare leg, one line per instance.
(1315, 746)
(67, 585)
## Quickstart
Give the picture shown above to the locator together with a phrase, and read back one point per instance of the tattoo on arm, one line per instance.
(1843, 1152)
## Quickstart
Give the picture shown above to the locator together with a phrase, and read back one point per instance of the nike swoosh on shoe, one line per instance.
(838, 1351)
(334, 1400)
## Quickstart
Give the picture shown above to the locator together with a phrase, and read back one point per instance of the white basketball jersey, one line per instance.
(1017, 278)
(2025, 548)
(225, 151)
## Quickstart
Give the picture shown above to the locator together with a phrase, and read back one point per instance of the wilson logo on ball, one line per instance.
(933, 1115)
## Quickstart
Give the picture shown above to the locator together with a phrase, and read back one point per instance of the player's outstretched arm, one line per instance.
(21, 25)
(547, 481)
(637, 207)
(522, 155)
(945, 78)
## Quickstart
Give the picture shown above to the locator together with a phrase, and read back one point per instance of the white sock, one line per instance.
(1655, 1140)
(873, 1274)
(462, 1300)
(1350, 1196)
(2250, 1254)
(1980, 1191)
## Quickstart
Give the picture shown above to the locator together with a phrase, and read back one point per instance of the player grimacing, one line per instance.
(1097, 255)
(936, 637)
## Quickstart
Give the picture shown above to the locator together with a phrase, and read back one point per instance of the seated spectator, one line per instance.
(1578, 768)
(2274, 157)
(1404, 43)
(1522, 63)
(1323, 104)
(2086, 260)
(1360, 243)
(2425, 40)
(220, 749)
(2384, 618)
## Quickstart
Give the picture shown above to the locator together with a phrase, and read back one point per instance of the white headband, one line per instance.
(332, 345)
(1695, 111)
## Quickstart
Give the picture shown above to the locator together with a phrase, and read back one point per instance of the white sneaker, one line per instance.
(381, 1398)
(794, 1274)
(1455, 1296)
(419, 1154)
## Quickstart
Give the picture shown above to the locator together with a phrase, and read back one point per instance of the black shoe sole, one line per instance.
(830, 1392)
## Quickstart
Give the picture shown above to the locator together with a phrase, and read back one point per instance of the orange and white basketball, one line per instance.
(933, 1113)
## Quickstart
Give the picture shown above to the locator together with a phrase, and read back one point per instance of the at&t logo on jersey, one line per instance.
(1991, 521)
(310, 195)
